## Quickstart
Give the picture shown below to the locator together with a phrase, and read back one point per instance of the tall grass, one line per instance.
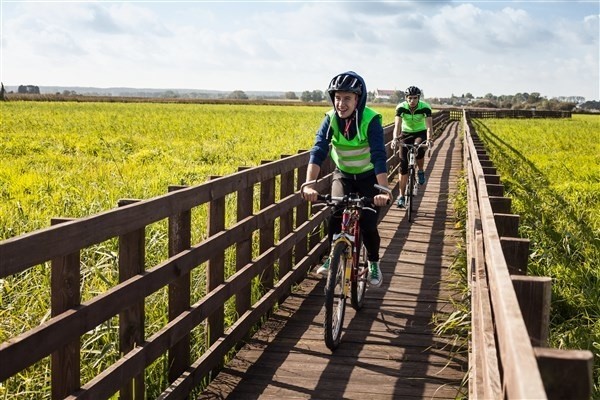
(551, 170)
(77, 159)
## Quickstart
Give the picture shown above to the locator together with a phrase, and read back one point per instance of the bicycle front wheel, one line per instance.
(410, 194)
(335, 301)
(358, 287)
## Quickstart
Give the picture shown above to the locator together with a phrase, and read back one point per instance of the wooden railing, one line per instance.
(510, 310)
(507, 113)
(280, 263)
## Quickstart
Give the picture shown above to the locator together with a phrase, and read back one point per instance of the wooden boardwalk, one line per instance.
(388, 349)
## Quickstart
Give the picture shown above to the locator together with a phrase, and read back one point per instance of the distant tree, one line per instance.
(237, 95)
(317, 95)
(468, 95)
(28, 89)
(590, 105)
(306, 96)
(396, 97)
(2, 92)
(290, 96)
(170, 94)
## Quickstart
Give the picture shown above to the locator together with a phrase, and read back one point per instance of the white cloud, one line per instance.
(445, 48)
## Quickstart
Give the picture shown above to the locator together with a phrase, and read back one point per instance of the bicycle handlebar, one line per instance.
(413, 146)
(351, 198)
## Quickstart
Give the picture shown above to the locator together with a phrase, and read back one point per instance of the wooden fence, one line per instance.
(510, 310)
(277, 262)
(507, 113)
(273, 245)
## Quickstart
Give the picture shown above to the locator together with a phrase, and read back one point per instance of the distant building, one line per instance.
(384, 94)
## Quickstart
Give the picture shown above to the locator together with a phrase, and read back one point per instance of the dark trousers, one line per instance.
(411, 138)
(342, 185)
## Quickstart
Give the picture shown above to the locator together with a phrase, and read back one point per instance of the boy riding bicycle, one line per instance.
(355, 133)
(414, 121)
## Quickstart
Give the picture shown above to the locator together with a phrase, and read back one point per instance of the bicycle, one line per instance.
(349, 266)
(412, 186)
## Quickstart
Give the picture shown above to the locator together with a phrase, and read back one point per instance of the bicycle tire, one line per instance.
(409, 195)
(358, 287)
(335, 302)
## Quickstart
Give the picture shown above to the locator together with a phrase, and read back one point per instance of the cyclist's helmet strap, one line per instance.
(412, 91)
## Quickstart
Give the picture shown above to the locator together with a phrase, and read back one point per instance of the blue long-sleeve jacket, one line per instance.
(320, 150)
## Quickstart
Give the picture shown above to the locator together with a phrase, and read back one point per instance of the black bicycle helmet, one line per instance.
(412, 91)
(345, 83)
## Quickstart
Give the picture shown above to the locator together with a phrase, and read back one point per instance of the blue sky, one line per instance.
(444, 47)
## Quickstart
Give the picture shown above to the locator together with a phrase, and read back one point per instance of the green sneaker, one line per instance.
(400, 203)
(324, 269)
(421, 176)
(375, 277)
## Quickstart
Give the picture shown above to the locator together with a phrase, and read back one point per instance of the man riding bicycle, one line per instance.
(355, 133)
(414, 121)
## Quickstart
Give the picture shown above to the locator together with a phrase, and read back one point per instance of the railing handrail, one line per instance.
(521, 376)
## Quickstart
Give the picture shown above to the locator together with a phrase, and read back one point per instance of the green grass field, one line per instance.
(551, 170)
(77, 159)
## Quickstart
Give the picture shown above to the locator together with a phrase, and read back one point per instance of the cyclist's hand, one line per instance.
(382, 199)
(430, 143)
(309, 194)
(394, 144)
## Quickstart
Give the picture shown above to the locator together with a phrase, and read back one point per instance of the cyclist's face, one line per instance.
(412, 100)
(345, 103)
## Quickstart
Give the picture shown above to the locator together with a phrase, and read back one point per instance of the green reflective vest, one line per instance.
(352, 156)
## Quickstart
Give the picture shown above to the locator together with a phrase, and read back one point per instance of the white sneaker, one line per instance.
(324, 269)
(375, 276)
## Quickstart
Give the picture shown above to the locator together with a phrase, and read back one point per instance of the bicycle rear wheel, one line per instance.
(410, 194)
(358, 287)
(335, 301)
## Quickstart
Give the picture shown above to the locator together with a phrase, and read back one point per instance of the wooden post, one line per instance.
(495, 189)
(131, 320)
(533, 294)
(180, 239)
(516, 254)
(267, 233)
(216, 267)
(567, 374)
(65, 294)
(286, 223)
(489, 170)
(245, 206)
(493, 179)
(300, 250)
(501, 204)
(507, 224)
